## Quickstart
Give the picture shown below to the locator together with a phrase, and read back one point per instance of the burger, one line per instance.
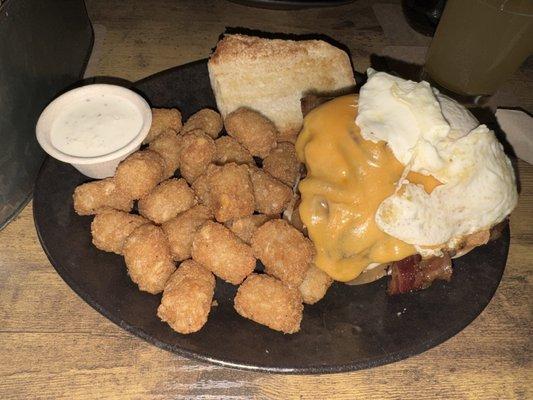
(399, 180)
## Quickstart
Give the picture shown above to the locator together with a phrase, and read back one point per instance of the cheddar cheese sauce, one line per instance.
(347, 179)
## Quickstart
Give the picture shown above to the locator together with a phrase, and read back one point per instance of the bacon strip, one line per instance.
(413, 273)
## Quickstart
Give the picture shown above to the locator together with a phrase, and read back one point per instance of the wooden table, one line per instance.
(53, 345)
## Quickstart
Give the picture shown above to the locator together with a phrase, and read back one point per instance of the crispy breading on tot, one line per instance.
(147, 255)
(180, 230)
(167, 200)
(283, 164)
(219, 250)
(202, 190)
(284, 251)
(162, 120)
(267, 301)
(315, 285)
(245, 227)
(187, 298)
(271, 196)
(230, 191)
(111, 228)
(288, 136)
(197, 151)
(207, 120)
(139, 173)
(98, 196)
(255, 132)
(167, 145)
(229, 150)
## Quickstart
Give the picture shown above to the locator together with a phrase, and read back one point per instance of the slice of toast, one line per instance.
(272, 75)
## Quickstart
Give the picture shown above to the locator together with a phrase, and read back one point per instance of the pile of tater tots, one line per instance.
(222, 215)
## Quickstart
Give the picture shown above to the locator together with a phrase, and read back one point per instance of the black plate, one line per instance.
(353, 327)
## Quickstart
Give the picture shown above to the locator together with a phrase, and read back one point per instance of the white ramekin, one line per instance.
(94, 167)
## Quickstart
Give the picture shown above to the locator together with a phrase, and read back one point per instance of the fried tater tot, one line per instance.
(187, 298)
(197, 152)
(98, 196)
(167, 145)
(282, 163)
(162, 120)
(147, 255)
(252, 130)
(180, 230)
(229, 150)
(271, 196)
(289, 136)
(207, 120)
(267, 301)
(111, 228)
(139, 173)
(284, 251)
(167, 200)
(230, 191)
(202, 190)
(245, 227)
(219, 250)
(315, 285)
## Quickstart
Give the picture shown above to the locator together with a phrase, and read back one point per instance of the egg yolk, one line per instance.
(347, 179)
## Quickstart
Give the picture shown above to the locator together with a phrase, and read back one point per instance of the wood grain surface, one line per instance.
(54, 346)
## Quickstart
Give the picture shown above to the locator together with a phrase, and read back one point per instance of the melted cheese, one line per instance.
(428, 182)
(348, 177)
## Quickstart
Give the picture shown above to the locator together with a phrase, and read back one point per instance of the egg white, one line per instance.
(432, 134)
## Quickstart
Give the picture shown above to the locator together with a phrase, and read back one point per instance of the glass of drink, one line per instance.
(477, 45)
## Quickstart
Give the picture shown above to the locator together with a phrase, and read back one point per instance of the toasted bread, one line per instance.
(272, 75)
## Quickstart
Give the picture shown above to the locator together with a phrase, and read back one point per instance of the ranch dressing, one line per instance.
(95, 125)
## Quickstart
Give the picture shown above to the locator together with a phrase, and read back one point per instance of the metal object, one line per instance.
(44, 48)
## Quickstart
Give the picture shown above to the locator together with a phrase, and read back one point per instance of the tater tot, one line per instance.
(197, 152)
(207, 120)
(180, 230)
(267, 301)
(162, 120)
(202, 190)
(147, 255)
(245, 227)
(111, 228)
(230, 191)
(315, 285)
(98, 196)
(252, 130)
(219, 250)
(229, 150)
(271, 196)
(283, 250)
(288, 135)
(167, 200)
(187, 298)
(167, 145)
(282, 163)
(139, 173)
